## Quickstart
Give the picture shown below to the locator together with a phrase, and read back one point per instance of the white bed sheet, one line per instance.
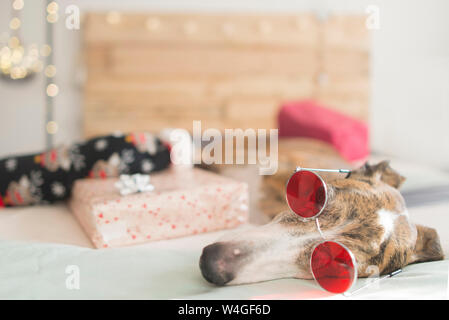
(37, 244)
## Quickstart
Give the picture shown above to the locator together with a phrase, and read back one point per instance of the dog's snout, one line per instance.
(217, 263)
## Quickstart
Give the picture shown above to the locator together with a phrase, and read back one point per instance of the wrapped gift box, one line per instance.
(183, 203)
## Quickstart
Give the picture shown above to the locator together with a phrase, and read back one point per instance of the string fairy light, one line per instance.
(18, 4)
(52, 127)
(50, 71)
(16, 61)
(15, 23)
(52, 10)
(51, 88)
(45, 50)
(20, 62)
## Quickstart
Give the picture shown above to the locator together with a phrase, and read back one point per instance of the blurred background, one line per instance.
(405, 99)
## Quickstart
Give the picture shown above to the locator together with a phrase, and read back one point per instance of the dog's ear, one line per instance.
(427, 247)
(382, 171)
(365, 171)
(388, 175)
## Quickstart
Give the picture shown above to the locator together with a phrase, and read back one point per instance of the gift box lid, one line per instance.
(169, 180)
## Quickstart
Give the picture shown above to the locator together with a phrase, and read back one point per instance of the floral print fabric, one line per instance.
(48, 177)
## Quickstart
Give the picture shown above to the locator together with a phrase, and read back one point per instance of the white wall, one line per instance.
(410, 72)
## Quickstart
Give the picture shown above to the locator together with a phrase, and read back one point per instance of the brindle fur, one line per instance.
(353, 205)
(351, 217)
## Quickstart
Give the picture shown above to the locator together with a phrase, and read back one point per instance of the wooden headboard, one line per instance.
(157, 70)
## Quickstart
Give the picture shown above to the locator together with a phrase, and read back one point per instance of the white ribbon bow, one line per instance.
(129, 184)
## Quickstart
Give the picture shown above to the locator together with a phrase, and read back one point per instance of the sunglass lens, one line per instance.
(333, 267)
(306, 194)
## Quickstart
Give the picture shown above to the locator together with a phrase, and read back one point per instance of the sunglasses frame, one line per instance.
(315, 217)
(354, 263)
(325, 194)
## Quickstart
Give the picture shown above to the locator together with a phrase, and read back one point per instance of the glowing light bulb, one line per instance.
(52, 7)
(50, 71)
(14, 42)
(45, 50)
(152, 24)
(52, 90)
(5, 52)
(37, 66)
(15, 23)
(33, 52)
(265, 27)
(228, 29)
(190, 28)
(18, 73)
(18, 4)
(15, 73)
(5, 65)
(302, 24)
(52, 18)
(52, 127)
(17, 55)
(114, 17)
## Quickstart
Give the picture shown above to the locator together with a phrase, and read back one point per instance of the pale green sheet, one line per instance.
(169, 270)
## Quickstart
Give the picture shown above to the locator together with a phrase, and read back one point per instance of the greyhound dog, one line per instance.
(365, 212)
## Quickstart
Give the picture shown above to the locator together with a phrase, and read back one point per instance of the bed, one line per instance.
(39, 246)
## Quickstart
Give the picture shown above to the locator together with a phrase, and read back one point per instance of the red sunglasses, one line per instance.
(332, 264)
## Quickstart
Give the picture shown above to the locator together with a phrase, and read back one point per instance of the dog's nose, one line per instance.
(217, 263)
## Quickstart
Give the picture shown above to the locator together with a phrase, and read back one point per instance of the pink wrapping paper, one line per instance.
(183, 203)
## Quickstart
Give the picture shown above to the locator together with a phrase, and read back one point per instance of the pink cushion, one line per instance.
(309, 119)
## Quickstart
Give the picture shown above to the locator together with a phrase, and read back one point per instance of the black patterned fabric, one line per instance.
(48, 177)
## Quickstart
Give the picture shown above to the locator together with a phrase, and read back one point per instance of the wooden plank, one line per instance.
(210, 61)
(128, 87)
(281, 86)
(346, 31)
(346, 63)
(177, 106)
(345, 85)
(158, 70)
(252, 112)
(97, 58)
(202, 29)
(97, 125)
(155, 110)
(349, 95)
(357, 107)
(267, 123)
(137, 87)
(253, 108)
